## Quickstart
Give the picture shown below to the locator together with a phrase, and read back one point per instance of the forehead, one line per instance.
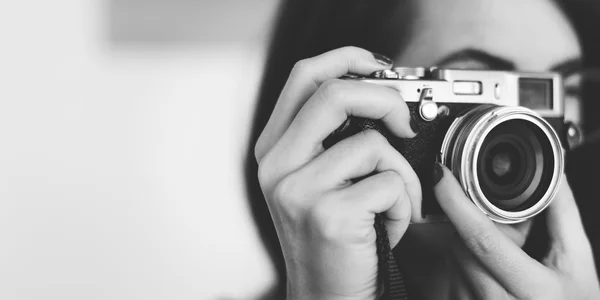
(533, 34)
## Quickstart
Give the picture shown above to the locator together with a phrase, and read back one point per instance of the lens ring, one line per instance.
(527, 151)
(462, 145)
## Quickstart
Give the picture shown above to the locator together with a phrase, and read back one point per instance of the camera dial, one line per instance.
(410, 73)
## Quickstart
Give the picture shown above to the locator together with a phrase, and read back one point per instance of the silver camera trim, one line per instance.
(508, 83)
(463, 164)
(433, 87)
(497, 87)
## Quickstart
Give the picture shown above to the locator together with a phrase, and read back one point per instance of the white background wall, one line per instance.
(121, 145)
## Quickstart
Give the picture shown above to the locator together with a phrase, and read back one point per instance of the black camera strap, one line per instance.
(389, 272)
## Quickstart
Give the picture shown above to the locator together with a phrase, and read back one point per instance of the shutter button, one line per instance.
(427, 108)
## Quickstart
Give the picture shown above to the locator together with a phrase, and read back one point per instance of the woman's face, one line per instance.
(531, 35)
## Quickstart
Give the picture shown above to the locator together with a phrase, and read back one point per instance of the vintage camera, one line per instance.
(501, 133)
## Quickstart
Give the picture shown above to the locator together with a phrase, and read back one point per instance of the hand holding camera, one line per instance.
(323, 218)
(490, 265)
(508, 160)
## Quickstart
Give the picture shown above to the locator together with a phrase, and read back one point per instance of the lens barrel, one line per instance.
(508, 160)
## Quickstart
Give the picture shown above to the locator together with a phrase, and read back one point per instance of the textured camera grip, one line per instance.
(420, 152)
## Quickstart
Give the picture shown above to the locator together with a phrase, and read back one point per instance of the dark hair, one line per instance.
(585, 17)
(306, 28)
(583, 163)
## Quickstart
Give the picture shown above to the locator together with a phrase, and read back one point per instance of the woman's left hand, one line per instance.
(492, 264)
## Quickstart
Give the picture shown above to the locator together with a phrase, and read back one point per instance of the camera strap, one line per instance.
(389, 272)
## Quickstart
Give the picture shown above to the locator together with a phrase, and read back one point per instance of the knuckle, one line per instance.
(373, 136)
(286, 190)
(394, 187)
(290, 196)
(353, 51)
(352, 55)
(301, 67)
(259, 147)
(374, 145)
(264, 171)
(350, 49)
(333, 90)
(374, 139)
(393, 180)
(482, 243)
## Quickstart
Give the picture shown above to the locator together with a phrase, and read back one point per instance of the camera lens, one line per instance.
(511, 164)
(508, 159)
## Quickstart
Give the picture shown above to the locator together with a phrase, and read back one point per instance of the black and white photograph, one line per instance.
(300, 149)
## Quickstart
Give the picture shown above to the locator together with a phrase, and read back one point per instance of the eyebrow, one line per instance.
(568, 67)
(490, 61)
(565, 68)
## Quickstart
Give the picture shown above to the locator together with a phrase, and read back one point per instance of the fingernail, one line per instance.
(438, 173)
(382, 59)
(414, 126)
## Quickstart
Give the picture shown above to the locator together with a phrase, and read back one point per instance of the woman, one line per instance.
(326, 234)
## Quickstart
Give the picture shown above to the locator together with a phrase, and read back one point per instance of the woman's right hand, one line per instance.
(492, 264)
(323, 218)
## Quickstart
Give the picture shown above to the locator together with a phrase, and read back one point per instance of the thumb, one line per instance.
(571, 251)
(501, 256)
(461, 211)
(564, 223)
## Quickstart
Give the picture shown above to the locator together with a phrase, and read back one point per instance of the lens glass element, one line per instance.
(513, 164)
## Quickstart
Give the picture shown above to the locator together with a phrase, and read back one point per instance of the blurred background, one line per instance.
(123, 125)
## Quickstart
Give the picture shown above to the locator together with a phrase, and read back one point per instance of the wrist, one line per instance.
(313, 294)
(302, 286)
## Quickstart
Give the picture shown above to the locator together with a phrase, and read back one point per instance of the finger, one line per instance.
(306, 76)
(361, 155)
(336, 100)
(327, 110)
(564, 222)
(479, 280)
(516, 232)
(382, 192)
(571, 252)
(512, 267)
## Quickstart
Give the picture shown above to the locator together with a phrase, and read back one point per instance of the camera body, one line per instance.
(501, 134)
